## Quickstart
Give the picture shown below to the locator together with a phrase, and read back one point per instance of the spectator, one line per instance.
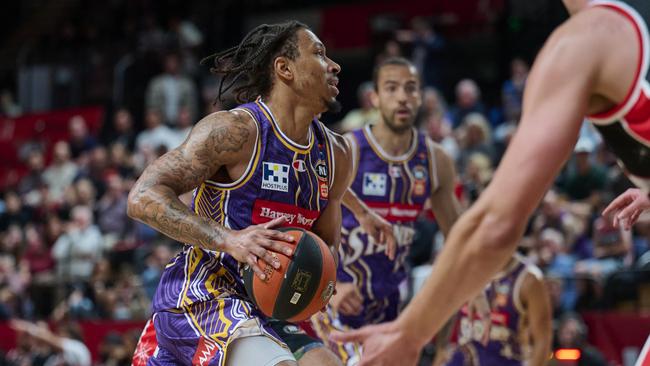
(29, 188)
(182, 130)
(155, 264)
(60, 173)
(111, 210)
(15, 212)
(171, 91)
(155, 135)
(121, 161)
(366, 113)
(612, 251)
(476, 137)
(80, 139)
(428, 50)
(435, 120)
(122, 131)
(572, 333)
(77, 251)
(468, 100)
(67, 342)
(391, 49)
(512, 92)
(8, 106)
(587, 180)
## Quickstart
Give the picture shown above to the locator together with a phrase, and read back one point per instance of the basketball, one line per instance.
(301, 286)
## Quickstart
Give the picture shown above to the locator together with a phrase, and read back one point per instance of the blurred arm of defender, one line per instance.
(556, 99)
(579, 71)
(328, 225)
(222, 140)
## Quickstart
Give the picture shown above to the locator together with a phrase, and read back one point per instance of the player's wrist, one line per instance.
(409, 329)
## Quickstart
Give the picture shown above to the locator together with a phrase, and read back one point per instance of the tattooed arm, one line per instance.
(220, 140)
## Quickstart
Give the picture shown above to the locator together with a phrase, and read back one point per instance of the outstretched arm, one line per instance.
(484, 238)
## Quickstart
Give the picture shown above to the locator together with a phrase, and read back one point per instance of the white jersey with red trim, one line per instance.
(626, 127)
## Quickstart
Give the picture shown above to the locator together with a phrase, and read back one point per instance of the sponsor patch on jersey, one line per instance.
(265, 211)
(321, 170)
(374, 184)
(275, 177)
(299, 165)
(395, 171)
(419, 172)
(323, 189)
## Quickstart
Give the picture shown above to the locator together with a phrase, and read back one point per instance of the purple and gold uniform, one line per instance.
(201, 304)
(396, 187)
(507, 341)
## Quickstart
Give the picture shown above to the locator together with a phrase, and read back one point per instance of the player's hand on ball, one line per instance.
(259, 241)
(347, 300)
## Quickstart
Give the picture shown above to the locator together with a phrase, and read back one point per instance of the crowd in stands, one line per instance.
(69, 252)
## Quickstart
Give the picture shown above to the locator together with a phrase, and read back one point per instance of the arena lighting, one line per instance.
(567, 354)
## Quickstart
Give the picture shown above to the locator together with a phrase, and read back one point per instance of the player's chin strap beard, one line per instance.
(333, 106)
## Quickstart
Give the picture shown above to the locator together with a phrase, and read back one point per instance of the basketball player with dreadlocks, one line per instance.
(263, 159)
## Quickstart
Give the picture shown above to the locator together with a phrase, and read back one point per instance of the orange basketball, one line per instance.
(301, 286)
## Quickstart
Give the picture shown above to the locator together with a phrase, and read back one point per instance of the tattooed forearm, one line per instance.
(160, 209)
(154, 198)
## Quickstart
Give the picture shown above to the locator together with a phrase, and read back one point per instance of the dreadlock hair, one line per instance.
(251, 61)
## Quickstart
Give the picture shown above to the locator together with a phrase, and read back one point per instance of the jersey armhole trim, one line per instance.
(252, 162)
(621, 109)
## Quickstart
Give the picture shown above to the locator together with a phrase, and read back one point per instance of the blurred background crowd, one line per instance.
(68, 251)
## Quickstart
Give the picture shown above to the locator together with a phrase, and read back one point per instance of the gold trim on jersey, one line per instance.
(381, 154)
(250, 169)
(411, 181)
(280, 135)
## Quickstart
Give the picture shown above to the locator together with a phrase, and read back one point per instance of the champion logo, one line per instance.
(299, 165)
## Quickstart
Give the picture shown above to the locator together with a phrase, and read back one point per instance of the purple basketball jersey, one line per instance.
(396, 188)
(506, 337)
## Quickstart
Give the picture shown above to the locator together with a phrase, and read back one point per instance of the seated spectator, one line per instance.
(81, 141)
(468, 100)
(435, 122)
(512, 91)
(60, 173)
(31, 185)
(476, 137)
(155, 134)
(67, 342)
(111, 211)
(364, 114)
(77, 251)
(182, 128)
(612, 251)
(122, 131)
(587, 180)
(171, 91)
(572, 333)
(14, 212)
